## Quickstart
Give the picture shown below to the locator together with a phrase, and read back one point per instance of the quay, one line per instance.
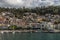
(19, 31)
(13, 31)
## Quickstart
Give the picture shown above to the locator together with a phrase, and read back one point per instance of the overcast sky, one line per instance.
(28, 3)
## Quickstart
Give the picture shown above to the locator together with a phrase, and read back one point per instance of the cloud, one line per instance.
(28, 3)
(14, 2)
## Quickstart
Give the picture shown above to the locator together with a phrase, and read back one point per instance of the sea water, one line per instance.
(30, 36)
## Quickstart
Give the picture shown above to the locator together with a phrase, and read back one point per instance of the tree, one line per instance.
(12, 27)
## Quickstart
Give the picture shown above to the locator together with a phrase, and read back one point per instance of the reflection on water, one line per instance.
(30, 36)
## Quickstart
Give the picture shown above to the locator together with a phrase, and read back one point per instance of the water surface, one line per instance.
(30, 36)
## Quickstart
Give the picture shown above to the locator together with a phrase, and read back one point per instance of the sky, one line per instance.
(28, 3)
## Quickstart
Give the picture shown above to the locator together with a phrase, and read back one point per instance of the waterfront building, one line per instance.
(47, 26)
